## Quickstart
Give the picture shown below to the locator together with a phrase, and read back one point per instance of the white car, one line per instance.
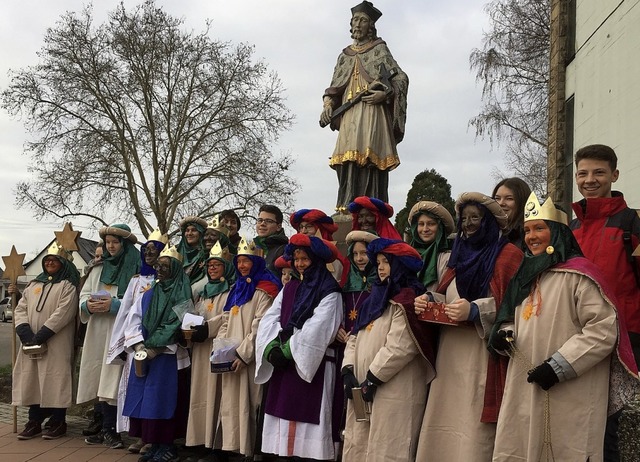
(6, 312)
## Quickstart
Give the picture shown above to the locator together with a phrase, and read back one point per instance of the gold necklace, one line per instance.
(361, 47)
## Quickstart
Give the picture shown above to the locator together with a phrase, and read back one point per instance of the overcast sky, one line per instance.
(300, 40)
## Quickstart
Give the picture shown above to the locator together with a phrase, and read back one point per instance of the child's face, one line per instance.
(360, 257)
(286, 275)
(301, 260)
(384, 268)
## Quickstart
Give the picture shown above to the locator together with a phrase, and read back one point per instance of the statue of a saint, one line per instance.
(367, 103)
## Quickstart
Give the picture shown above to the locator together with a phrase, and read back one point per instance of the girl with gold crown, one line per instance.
(45, 315)
(100, 300)
(206, 388)
(560, 326)
(249, 299)
(156, 401)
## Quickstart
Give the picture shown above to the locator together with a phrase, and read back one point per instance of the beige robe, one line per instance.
(577, 322)
(240, 394)
(451, 430)
(386, 348)
(206, 388)
(97, 378)
(46, 381)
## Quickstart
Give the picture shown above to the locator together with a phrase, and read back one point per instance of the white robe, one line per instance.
(308, 348)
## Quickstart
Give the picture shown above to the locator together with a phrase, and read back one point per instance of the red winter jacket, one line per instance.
(597, 229)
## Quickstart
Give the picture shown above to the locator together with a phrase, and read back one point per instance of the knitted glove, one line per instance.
(201, 333)
(43, 335)
(543, 375)
(25, 334)
(349, 380)
(499, 341)
(278, 359)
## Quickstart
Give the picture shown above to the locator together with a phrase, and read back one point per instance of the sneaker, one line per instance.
(112, 439)
(98, 438)
(146, 448)
(47, 425)
(166, 454)
(135, 447)
(94, 427)
(32, 429)
(57, 430)
(149, 453)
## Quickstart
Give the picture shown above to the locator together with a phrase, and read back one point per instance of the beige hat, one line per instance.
(120, 230)
(488, 202)
(360, 236)
(192, 219)
(435, 209)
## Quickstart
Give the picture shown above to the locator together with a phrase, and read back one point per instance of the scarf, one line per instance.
(218, 286)
(159, 321)
(118, 269)
(193, 256)
(68, 272)
(245, 286)
(429, 252)
(474, 257)
(565, 247)
(359, 281)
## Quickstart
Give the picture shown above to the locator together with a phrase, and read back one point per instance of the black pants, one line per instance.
(37, 413)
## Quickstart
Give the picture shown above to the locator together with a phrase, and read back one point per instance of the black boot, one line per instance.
(94, 426)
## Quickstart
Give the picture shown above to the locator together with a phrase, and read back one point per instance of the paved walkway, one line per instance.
(70, 448)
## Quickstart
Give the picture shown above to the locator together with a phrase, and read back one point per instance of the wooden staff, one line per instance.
(14, 269)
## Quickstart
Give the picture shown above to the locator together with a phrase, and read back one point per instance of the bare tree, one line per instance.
(513, 66)
(142, 117)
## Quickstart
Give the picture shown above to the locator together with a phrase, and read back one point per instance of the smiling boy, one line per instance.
(608, 231)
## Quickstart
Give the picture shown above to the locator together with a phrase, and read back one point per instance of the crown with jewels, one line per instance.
(217, 224)
(547, 211)
(218, 252)
(247, 248)
(172, 252)
(59, 251)
(157, 236)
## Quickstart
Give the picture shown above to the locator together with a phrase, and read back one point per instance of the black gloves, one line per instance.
(349, 380)
(43, 335)
(499, 341)
(201, 333)
(278, 359)
(26, 335)
(370, 386)
(543, 375)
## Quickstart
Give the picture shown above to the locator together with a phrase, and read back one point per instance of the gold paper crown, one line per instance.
(247, 248)
(157, 236)
(547, 211)
(217, 224)
(171, 251)
(218, 252)
(59, 251)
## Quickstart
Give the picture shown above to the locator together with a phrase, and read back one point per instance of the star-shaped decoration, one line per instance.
(68, 238)
(370, 326)
(235, 310)
(353, 314)
(13, 264)
(210, 306)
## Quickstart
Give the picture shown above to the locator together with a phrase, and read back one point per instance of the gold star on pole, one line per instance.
(636, 253)
(13, 264)
(68, 238)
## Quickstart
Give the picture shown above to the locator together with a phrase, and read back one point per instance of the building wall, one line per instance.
(604, 80)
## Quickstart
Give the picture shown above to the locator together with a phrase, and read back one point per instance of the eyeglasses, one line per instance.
(162, 267)
(307, 227)
(215, 265)
(266, 221)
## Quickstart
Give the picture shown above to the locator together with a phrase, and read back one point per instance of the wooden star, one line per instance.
(13, 264)
(68, 238)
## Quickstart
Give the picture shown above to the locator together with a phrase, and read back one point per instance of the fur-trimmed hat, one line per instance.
(120, 230)
(435, 209)
(486, 201)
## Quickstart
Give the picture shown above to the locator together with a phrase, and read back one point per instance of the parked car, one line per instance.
(6, 312)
